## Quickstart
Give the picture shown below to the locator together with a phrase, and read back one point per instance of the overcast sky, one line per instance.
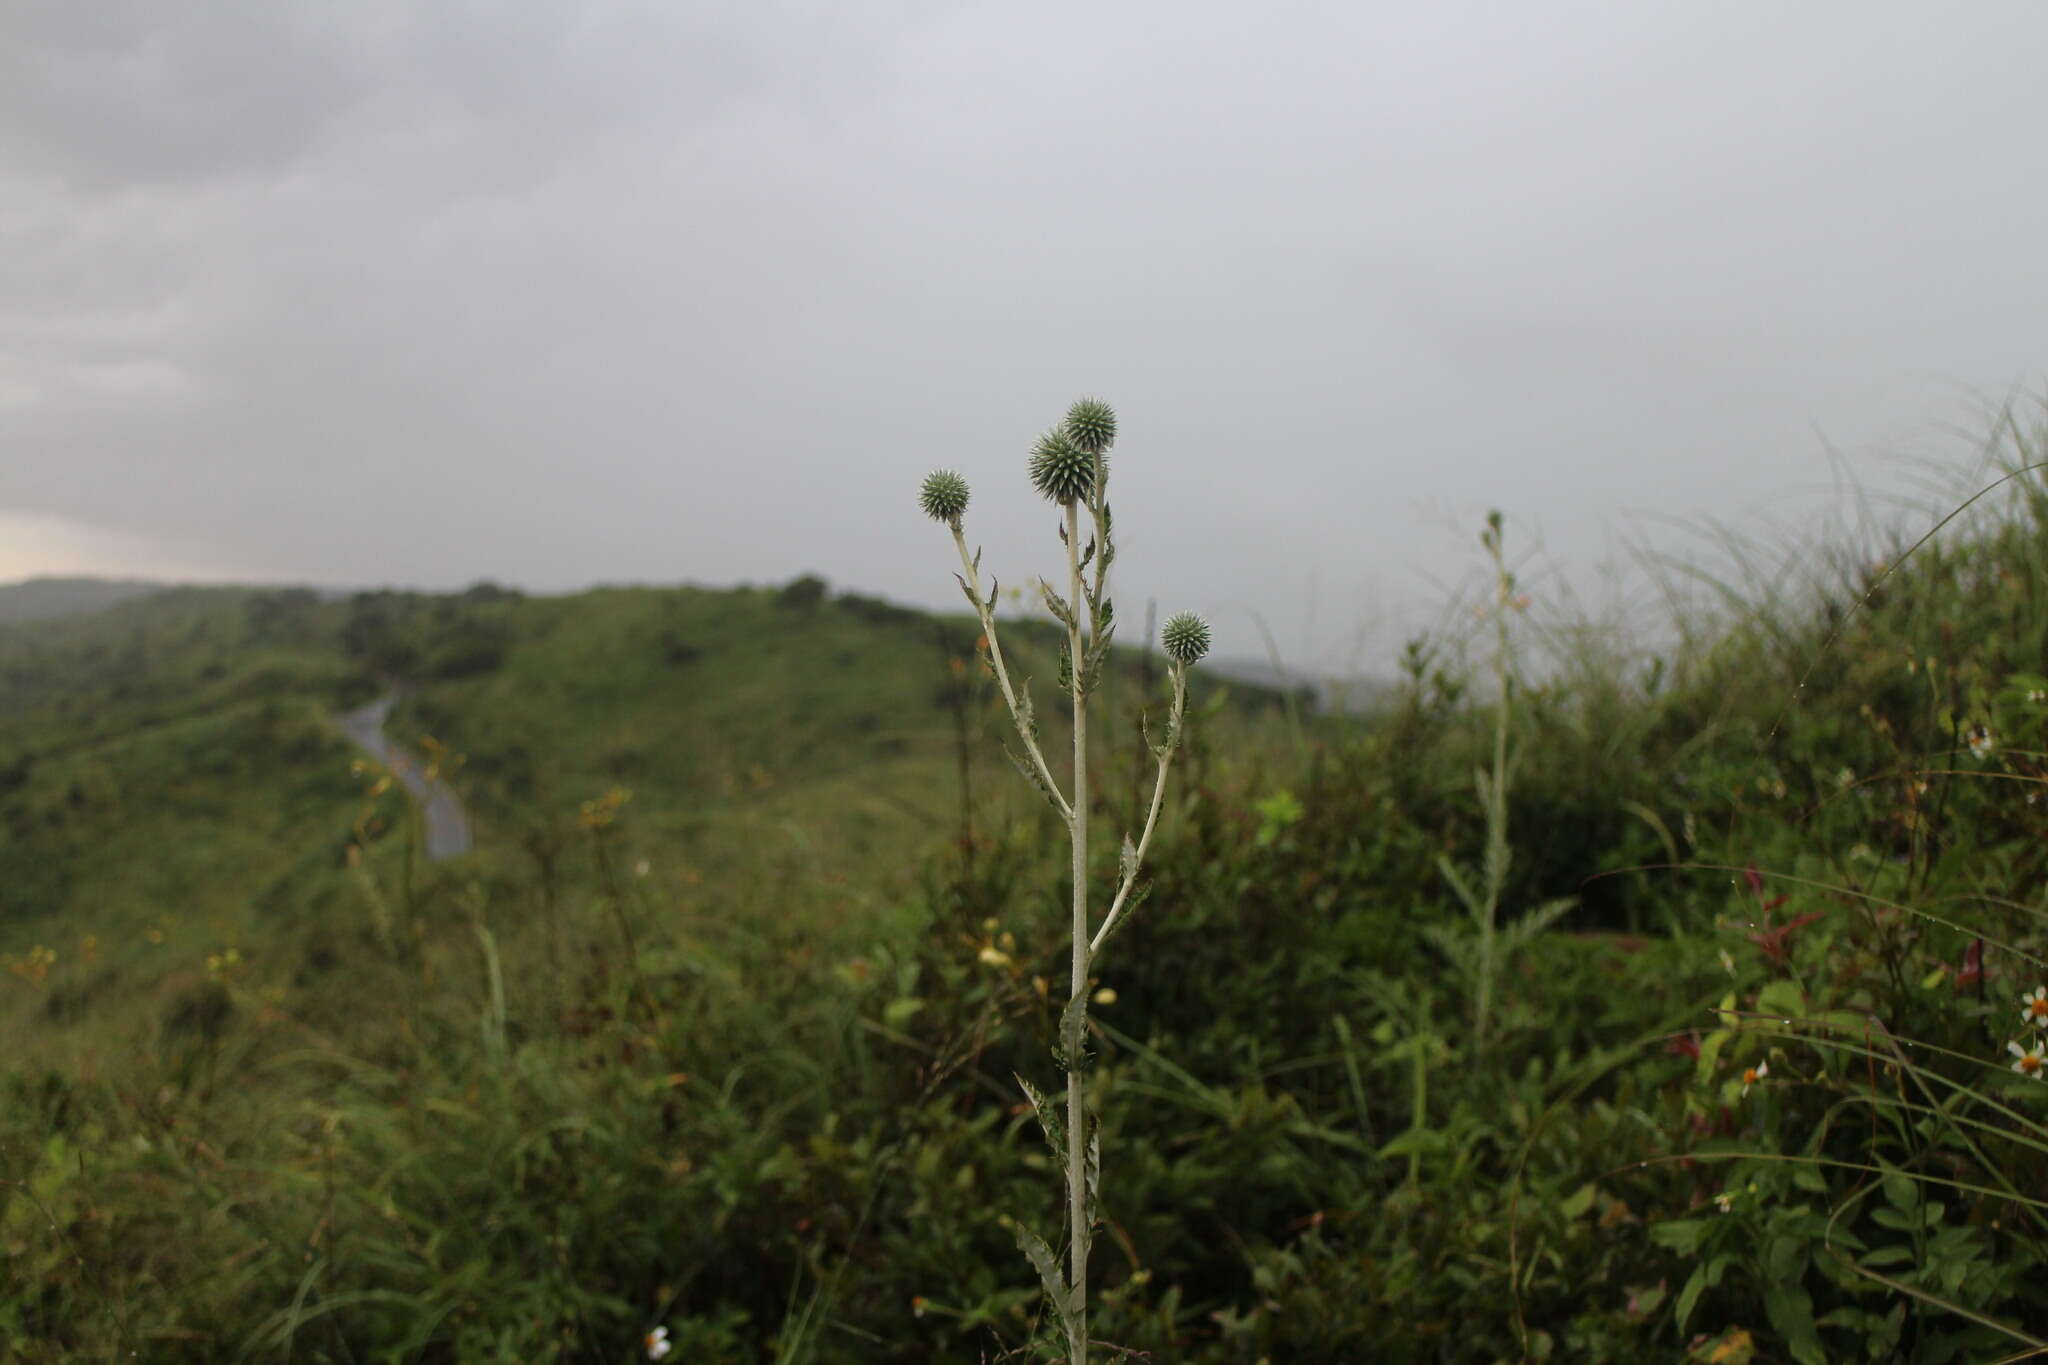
(564, 293)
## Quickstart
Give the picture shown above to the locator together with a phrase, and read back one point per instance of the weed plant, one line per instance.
(1070, 467)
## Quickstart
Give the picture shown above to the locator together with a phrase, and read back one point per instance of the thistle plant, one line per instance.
(1069, 466)
(1477, 951)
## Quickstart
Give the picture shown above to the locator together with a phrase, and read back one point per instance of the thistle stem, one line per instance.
(1077, 1129)
(1123, 891)
(995, 655)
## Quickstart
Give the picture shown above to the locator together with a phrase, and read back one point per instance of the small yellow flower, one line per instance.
(1105, 996)
(994, 957)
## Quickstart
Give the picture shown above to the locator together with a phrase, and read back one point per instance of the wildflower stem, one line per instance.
(995, 655)
(1497, 790)
(1077, 824)
(1165, 759)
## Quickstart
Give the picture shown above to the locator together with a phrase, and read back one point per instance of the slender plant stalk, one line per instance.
(1070, 467)
(1497, 789)
(1077, 983)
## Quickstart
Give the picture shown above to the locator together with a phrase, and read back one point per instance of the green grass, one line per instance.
(763, 1094)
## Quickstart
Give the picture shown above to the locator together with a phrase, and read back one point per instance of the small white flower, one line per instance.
(2035, 694)
(1725, 1200)
(1981, 742)
(2034, 1008)
(1728, 962)
(1752, 1074)
(2030, 1059)
(657, 1343)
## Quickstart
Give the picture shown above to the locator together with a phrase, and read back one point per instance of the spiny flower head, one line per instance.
(944, 496)
(1091, 425)
(1184, 638)
(1060, 469)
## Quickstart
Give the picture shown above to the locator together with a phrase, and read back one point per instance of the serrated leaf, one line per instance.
(1048, 1121)
(1088, 552)
(1093, 1169)
(1041, 1258)
(1138, 892)
(1072, 1051)
(1029, 771)
(1056, 604)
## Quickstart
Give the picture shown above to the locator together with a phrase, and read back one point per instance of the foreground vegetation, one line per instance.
(704, 1059)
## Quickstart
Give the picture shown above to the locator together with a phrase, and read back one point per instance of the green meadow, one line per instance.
(716, 1031)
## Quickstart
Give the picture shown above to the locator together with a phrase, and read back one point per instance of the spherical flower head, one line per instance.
(944, 496)
(1091, 425)
(1185, 638)
(1060, 469)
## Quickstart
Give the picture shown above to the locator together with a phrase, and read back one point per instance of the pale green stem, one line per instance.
(1077, 1126)
(1180, 695)
(1497, 799)
(995, 654)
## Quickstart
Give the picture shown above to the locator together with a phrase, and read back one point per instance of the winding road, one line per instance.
(447, 823)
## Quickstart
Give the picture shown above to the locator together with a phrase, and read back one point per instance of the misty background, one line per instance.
(556, 294)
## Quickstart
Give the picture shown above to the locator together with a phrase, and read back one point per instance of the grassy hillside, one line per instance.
(48, 599)
(735, 1056)
(171, 783)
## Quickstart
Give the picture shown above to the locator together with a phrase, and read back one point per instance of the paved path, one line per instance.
(447, 824)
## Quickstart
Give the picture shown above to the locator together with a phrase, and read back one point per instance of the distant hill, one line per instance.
(49, 599)
(1326, 695)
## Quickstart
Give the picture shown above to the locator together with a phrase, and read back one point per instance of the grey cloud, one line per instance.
(557, 293)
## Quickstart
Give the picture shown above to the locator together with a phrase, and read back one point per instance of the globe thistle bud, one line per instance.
(1060, 469)
(1184, 638)
(1091, 425)
(944, 496)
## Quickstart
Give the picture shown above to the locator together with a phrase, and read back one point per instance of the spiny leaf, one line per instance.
(1056, 604)
(1048, 1272)
(1093, 1167)
(1031, 775)
(973, 601)
(1048, 1121)
(1072, 1050)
